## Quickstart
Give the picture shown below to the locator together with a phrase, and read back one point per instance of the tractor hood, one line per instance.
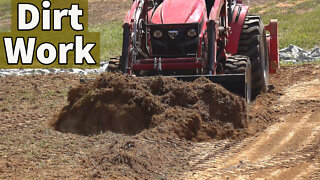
(178, 12)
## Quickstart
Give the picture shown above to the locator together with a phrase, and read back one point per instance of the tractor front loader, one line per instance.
(216, 39)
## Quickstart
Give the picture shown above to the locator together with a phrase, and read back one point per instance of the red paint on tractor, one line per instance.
(130, 13)
(216, 10)
(175, 12)
(236, 28)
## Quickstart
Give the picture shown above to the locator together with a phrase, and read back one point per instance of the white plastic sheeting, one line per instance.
(23, 72)
(295, 54)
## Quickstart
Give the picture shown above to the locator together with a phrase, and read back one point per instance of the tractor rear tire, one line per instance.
(254, 45)
(124, 60)
(240, 64)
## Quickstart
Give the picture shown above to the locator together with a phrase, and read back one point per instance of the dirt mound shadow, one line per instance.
(198, 110)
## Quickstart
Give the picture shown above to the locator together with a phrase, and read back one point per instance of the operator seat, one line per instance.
(209, 5)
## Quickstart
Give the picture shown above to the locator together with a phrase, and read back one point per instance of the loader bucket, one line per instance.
(235, 83)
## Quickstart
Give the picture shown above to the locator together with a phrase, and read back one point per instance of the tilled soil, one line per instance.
(280, 140)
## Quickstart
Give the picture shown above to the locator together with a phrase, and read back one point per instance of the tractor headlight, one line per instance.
(157, 34)
(192, 33)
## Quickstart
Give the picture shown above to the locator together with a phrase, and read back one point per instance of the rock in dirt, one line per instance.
(198, 110)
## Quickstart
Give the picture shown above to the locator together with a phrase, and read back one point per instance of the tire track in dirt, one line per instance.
(286, 150)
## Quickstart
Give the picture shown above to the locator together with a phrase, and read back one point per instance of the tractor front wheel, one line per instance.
(239, 64)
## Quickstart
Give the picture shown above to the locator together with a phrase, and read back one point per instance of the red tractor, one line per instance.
(216, 39)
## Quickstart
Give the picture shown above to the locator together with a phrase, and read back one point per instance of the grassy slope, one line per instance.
(299, 25)
(110, 37)
(5, 8)
(5, 14)
(111, 32)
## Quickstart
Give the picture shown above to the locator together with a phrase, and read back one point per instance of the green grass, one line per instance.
(5, 29)
(110, 38)
(5, 6)
(298, 25)
(111, 33)
(5, 9)
(5, 13)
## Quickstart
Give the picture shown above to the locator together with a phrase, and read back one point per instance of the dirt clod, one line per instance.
(198, 110)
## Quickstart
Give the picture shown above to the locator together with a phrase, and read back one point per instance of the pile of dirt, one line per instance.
(198, 110)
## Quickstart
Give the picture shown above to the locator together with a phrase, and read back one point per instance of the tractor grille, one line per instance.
(175, 41)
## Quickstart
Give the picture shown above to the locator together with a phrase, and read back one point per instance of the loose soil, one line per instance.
(123, 104)
(281, 140)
